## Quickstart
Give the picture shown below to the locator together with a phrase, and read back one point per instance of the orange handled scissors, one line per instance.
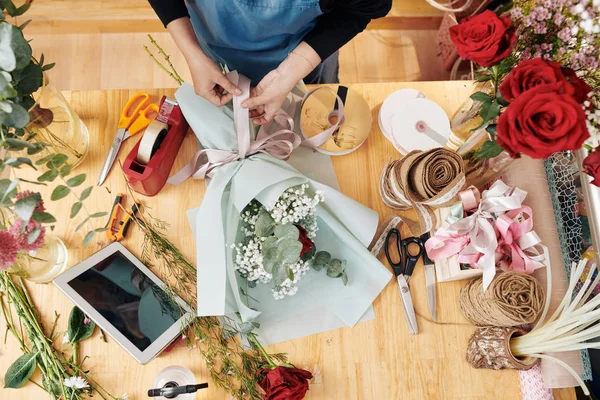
(135, 117)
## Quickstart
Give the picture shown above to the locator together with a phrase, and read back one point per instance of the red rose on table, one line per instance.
(283, 383)
(535, 72)
(581, 88)
(541, 121)
(591, 166)
(484, 39)
(307, 244)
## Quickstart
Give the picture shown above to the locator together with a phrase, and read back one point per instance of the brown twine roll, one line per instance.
(423, 180)
(489, 348)
(512, 299)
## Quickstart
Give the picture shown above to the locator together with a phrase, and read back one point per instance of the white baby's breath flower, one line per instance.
(76, 382)
(65, 338)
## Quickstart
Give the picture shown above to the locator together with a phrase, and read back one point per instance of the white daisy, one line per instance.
(76, 382)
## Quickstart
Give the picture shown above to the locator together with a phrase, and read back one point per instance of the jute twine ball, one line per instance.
(512, 299)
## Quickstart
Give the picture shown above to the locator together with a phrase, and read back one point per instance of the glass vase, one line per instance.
(44, 264)
(54, 123)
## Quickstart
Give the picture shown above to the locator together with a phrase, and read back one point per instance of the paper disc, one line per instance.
(408, 123)
(352, 133)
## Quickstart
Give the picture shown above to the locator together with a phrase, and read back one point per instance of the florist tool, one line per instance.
(137, 114)
(403, 270)
(148, 164)
(171, 390)
(320, 110)
(117, 229)
(174, 378)
(430, 280)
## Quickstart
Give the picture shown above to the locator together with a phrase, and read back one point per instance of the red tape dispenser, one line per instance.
(148, 164)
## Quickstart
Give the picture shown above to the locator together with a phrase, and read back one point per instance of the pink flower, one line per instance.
(22, 236)
(86, 320)
(39, 208)
(8, 250)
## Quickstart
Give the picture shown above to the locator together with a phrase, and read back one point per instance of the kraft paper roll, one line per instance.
(153, 137)
(530, 175)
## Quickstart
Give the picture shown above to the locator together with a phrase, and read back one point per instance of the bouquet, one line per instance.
(262, 221)
(542, 64)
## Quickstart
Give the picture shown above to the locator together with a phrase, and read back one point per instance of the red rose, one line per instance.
(484, 39)
(283, 383)
(591, 166)
(307, 244)
(541, 121)
(531, 73)
(582, 89)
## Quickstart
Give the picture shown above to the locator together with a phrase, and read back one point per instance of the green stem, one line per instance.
(252, 338)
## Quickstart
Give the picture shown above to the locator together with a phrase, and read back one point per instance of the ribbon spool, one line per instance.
(319, 112)
(153, 137)
(393, 102)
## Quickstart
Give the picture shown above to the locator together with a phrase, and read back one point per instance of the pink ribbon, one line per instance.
(279, 144)
(499, 227)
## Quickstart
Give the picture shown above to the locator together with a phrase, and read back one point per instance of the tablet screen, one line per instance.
(128, 299)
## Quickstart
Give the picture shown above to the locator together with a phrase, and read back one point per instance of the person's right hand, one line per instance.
(210, 82)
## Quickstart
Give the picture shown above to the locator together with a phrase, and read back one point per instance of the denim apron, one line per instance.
(251, 36)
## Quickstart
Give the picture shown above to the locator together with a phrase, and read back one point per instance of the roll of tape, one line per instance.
(153, 137)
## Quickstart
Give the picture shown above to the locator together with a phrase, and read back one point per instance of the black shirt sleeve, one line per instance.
(341, 21)
(169, 10)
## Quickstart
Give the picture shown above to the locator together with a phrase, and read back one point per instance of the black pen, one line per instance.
(171, 392)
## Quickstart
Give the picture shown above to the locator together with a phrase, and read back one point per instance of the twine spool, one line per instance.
(512, 299)
(489, 348)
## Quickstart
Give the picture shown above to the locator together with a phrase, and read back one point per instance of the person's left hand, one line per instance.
(268, 96)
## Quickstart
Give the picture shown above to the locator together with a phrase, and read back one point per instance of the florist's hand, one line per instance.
(268, 96)
(210, 82)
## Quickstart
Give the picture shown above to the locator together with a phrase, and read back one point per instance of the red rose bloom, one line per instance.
(484, 39)
(581, 89)
(541, 121)
(531, 73)
(307, 244)
(591, 166)
(283, 383)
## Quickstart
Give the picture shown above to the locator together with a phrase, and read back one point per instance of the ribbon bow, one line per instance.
(474, 238)
(279, 144)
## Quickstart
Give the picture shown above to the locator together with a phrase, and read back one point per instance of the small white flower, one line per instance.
(76, 382)
(65, 338)
(125, 396)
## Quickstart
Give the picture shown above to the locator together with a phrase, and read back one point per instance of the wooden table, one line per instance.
(375, 360)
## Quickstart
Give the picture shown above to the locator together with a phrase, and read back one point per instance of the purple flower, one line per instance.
(559, 19)
(565, 34)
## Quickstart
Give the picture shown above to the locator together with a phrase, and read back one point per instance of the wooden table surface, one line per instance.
(375, 360)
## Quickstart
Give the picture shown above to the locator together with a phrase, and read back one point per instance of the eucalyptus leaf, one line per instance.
(279, 274)
(345, 278)
(290, 250)
(44, 160)
(31, 79)
(76, 180)
(322, 258)
(60, 192)
(57, 160)
(82, 224)
(65, 170)
(85, 193)
(75, 209)
(7, 91)
(48, 176)
(287, 231)
(335, 268)
(311, 263)
(88, 238)
(15, 52)
(309, 254)
(270, 258)
(78, 330)
(98, 214)
(43, 217)
(18, 161)
(290, 273)
(34, 235)
(20, 371)
(8, 190)
(15, 144)
(18, 117)
(264, 225)
(24, 207)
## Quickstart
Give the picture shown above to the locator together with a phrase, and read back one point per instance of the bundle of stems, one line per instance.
(29, 332)
(571, 326)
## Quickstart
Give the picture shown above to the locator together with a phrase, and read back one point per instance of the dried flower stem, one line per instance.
(171, 69)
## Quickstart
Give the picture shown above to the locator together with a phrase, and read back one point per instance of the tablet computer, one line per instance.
(124, 298)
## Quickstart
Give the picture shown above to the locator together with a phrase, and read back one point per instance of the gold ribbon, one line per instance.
(423, 180)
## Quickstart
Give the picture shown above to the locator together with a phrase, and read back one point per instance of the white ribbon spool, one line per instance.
(393, 102)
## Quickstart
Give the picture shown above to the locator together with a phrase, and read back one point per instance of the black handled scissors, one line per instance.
(403, 269)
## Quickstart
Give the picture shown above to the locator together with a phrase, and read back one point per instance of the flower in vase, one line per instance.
(9, 246)
(22, 235)
(541, 121)
(25, 193)
(285, 383)
(485, 39)
(76, 382)
(591, 166)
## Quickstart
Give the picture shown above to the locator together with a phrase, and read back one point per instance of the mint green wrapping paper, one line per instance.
(346, 228)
